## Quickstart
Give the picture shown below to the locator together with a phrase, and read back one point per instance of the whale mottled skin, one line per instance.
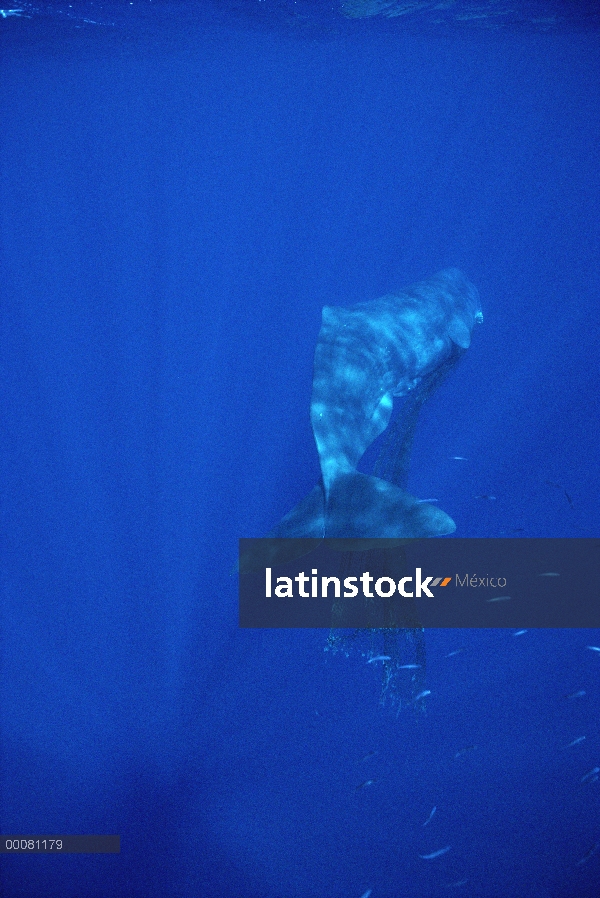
(366, 356)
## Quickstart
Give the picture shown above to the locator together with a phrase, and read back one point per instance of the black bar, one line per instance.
(44, 844)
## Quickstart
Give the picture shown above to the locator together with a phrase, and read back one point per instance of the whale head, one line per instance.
(463, 300)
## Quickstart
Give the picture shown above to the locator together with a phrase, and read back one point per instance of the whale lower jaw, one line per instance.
(362, 507)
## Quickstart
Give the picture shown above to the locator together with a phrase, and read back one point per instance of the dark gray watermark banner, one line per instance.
(370, 583)
(53, 844)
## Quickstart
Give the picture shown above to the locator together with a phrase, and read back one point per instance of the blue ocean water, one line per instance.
(183, 188)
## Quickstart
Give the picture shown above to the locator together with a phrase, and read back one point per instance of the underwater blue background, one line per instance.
(180, 195)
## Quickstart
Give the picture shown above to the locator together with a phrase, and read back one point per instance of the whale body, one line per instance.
(366, 356)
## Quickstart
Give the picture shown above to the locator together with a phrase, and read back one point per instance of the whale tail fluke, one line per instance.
(364, 507)
(306, 520)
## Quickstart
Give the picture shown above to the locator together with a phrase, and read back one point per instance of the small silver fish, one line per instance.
(590, 776)
(456, 652)
(593, 648)
(520, 633)
(464, 751)
(589, 854)
(434, 854)
(364, 785)
(379, 658)
(369, 754)
(577, 741)
(421, 695)
(431, 815)
(409, 667)
(499, 599)
(458, 458)
(549, 574)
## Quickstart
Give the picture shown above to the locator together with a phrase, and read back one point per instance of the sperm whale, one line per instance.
(366, 356)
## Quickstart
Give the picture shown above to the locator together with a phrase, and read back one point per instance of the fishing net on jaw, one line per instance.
(401, 643)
